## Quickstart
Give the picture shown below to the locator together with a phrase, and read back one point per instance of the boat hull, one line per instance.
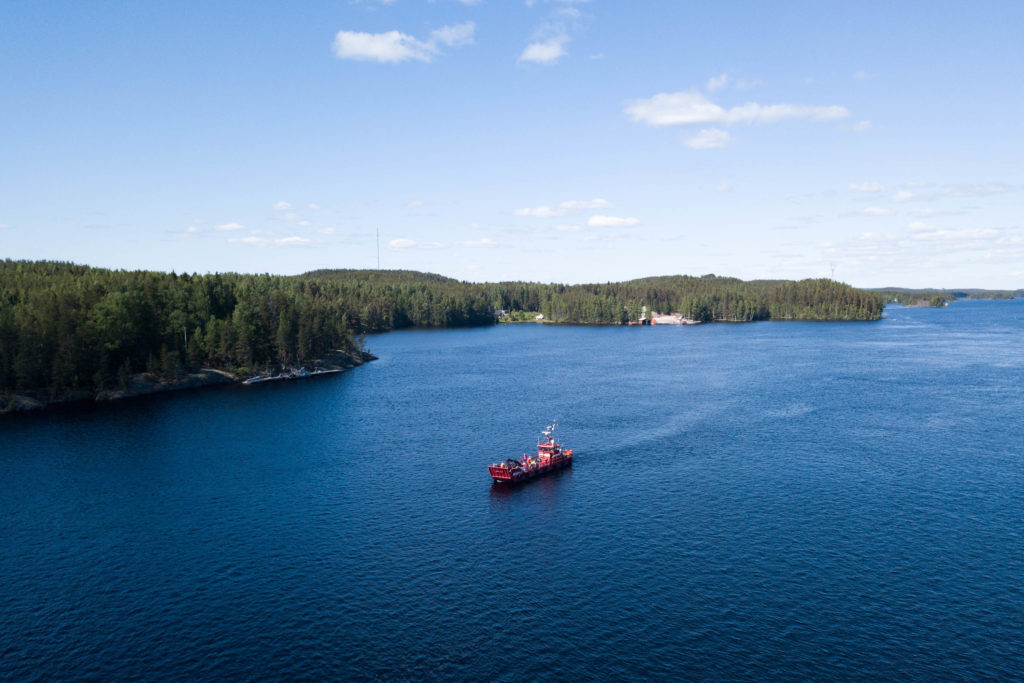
(505, 477)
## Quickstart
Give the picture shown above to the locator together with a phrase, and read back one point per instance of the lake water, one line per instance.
(766, 501)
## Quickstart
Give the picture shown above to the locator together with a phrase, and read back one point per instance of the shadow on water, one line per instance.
(546, 487)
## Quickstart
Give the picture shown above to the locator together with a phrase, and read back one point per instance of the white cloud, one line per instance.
(540, 212)
(977, 190)
(258, 239)
(717, 82)
(251, 240)
(877, 237)
(293, 241)
(611, 222)
(903, 196)
(861, 75)
(545, 52)
(305, 224)
(563, 208)
(568, 228)
(482, 242)
(724, 186)
(403, 243)
(327, 231)
(919, 226)
(282, 206)
(868, 187)
(549, 40)
(314, 206)
(708, 138)
(390, 47)
(926, 213)
(456, 34)
(4, 226)
(875, 211)
(586, 204)
(691, 107)
(190, 229)
(861, 127)
(393, 47)
(968, 235)
(230, 226)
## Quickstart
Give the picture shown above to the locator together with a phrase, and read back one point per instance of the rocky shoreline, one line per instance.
(146, 383)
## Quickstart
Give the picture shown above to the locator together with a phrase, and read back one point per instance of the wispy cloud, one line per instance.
(921, 192)
(259, 241)
(545, 52)
(483, 242)
(691, 107)
(282, 206)
(923, 240)
(552, 36)
(454, 35)
(393, 47)
(293, 241)
(573, 204)
(928, 213)
(611, 222)
(977, 190)
(251, 240)
(717, 82)
(226, 227)
(708, 138)
(405, 243)
(868, 187)
(563, 208)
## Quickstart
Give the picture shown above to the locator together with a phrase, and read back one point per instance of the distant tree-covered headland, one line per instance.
(72, 330)
(940, 297)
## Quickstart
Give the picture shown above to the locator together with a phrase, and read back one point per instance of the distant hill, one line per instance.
(388, 276)
(939, 297)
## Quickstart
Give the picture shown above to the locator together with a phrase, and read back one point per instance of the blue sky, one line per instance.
(545, 140)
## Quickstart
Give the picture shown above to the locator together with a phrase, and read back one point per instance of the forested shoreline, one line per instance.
(70, 330)
(941, 297)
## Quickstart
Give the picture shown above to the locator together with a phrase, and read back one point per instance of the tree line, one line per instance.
(67, 327)
(940, 297)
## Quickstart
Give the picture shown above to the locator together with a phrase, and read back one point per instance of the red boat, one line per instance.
(550, 457)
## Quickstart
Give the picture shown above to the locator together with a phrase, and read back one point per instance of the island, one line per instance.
(73, 332)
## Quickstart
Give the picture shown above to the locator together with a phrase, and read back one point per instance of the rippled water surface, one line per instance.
(769, 500)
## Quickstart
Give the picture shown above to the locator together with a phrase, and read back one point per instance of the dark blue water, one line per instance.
(770, 500)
